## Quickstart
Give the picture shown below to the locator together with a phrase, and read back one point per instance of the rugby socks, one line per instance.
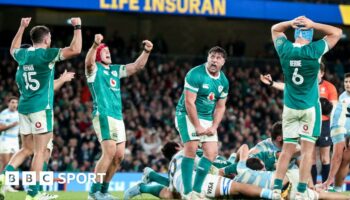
(202, 171)
(278, 184)
(187, 169)
(95, 187)
(338, 188)
(34, 189)
(45, 167)
(314, 174)
(266, 193)
(155, 177)
(104, 187)
(231, 169)
(325, 172)
(153, 189)
(8, 168)
(301, 187)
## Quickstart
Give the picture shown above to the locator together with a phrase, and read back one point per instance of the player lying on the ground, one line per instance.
(252, 171)
(214, 186)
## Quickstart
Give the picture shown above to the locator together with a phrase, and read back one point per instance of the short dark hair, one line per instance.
(254, 164)
(322, 67)
(170, 149)
(38, 33)
(326, 106)
(12, 98)
(218, 49)
(346, 75)
(276, 130)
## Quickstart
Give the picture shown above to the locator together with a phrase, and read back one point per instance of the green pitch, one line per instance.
(71, 195)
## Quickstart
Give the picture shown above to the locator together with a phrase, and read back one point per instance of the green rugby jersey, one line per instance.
(209, 90)
(104, 85)
(300, 65)
(35, 78)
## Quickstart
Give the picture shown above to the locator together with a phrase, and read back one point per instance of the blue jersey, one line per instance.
(340, 121)
(8, 117)
(267, 145)
(263, 179)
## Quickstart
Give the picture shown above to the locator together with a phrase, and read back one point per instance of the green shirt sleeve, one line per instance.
(52, 55)
(318, 48)
(280, 44)
(192, 82)
(19, 55)
(224, 92)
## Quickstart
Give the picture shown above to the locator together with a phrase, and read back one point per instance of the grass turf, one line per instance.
(71, 195)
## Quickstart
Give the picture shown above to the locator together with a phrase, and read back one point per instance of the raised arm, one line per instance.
(90, 60)
(141, 61)
(243, 153)
(332, 33)
(65, 77)
(267, 80)
(17, 40)
(278, 30)
(75, 46)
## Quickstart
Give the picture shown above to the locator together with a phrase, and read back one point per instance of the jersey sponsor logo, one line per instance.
(295, 63)
(114, 73)
(205, 86)
(37, 125)
(211, 96)
(305, 127)
(113, 82)
(220, 88)
(105, 72)
(210, 188)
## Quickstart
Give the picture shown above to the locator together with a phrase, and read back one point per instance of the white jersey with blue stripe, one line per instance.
(340, 119)
(8, 117)
(267, 145)
(175, 177)
(263, 179)
(344, 97)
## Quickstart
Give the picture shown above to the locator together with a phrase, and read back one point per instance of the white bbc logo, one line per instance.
(28, 178)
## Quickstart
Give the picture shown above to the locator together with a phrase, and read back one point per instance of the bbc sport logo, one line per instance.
(47, 178)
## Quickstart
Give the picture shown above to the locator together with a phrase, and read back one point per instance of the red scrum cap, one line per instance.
(98, 51)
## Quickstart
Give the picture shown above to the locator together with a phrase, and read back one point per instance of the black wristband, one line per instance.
(95, 43)
(271, 83)
(77, 27)
(145, 50)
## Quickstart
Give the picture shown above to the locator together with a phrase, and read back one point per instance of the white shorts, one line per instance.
(8, 145)
(36, 123)
(188, 132)
(303, 124)
(109, 128)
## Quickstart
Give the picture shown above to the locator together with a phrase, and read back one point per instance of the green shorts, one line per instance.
(109, 128)
(303, 124)
(188, 132)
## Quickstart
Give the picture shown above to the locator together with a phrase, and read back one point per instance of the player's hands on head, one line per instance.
(25, 22)
(147, 45)
(98, 38)
(75, 21)
(266, 79)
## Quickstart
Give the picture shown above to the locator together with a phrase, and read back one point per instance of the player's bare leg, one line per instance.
(305, 164)
(5, 158)
(25, 151)
(112, 169)
(343, 170)
(109, 149)
(40, 142)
